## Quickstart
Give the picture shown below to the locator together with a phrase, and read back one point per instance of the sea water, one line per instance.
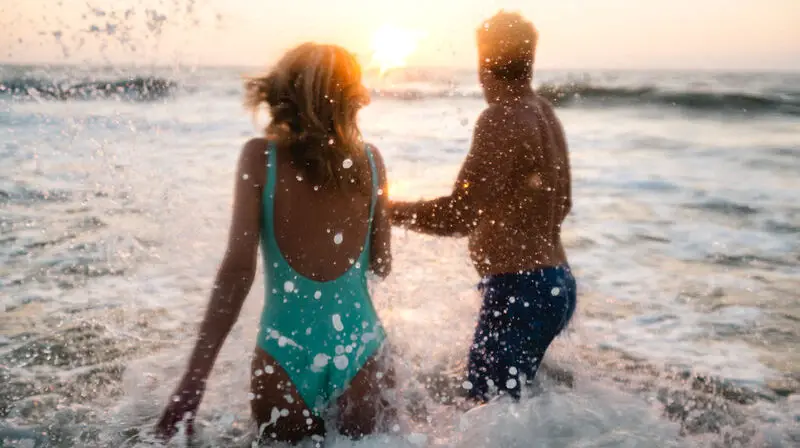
(115, 194)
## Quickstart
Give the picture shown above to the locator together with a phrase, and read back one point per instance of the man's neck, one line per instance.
(510, 94)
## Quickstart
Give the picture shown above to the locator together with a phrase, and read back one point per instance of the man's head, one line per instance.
(506, 49)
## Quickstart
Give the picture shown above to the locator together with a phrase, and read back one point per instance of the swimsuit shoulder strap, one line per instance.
(271, 169)
(375, 182)
(268, 199)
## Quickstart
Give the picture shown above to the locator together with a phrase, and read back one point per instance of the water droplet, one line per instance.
(288, 286)
(555, 291)
(339, 349)
(466, 385)
(269, 370)
(347, 163)
(337, 322)
(245, 176)
(513, 370)
(338, 238)
(318, 295)
(341, 362)
(251, 396)
(510, 384)
(299, 178)
(321, 360)
(258, 372)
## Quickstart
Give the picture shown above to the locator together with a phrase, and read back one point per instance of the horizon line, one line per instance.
(263, 67)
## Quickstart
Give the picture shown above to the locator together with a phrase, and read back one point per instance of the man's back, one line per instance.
(520, 225)
(510, 198)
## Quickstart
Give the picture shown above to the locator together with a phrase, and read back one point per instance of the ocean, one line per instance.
(115, 192)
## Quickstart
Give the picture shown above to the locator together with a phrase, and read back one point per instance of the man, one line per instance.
(512, 194)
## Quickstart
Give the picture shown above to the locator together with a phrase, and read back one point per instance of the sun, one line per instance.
(391, 47)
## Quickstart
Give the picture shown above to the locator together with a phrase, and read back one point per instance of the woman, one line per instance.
(311, 194)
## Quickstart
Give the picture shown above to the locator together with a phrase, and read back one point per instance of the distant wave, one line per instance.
(133, 89)
(566, 95)
(150, 88)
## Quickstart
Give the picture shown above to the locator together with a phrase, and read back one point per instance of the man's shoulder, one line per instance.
(492, 112)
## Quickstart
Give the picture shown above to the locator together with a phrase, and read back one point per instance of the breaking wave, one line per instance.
(137, 88)
(578, 94)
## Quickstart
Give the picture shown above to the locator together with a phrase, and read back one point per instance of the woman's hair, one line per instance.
(314, 94)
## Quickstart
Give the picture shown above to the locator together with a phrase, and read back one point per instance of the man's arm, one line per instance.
(477, 182)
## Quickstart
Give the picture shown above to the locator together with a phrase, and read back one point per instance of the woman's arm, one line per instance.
(381, 239)
(231, 286)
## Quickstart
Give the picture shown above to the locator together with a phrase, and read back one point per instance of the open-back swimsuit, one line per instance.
(320, 332)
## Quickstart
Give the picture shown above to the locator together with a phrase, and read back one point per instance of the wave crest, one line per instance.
(139, 88)
(584, 94)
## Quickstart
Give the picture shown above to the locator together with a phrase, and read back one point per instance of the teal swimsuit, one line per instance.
(321, 333)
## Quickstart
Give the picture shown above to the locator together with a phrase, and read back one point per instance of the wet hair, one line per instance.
(313, 94)
(507, 45)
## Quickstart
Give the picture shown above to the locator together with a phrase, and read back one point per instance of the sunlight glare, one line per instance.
(391, 47)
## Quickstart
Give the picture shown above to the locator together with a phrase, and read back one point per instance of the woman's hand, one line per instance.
(182, 408)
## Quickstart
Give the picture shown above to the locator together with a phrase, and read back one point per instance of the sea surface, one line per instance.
(115, 195)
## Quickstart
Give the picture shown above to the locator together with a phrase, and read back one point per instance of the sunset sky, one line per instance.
(675, 34)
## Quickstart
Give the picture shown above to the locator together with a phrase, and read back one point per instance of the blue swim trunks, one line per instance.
(521, 315)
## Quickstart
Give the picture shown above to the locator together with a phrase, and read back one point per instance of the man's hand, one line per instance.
(399, 211)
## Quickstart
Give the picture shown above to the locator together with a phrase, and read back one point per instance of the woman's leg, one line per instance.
(276, 405)
(368, 403)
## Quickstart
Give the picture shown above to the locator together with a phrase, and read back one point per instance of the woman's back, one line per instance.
(309, 194)
(320, 230)
(318, 321)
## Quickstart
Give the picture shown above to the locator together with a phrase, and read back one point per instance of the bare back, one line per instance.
(520, 227)
(321, 231)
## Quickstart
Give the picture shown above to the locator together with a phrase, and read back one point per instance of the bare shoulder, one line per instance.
(253, 159)
(546, 112)
(493, 114)
(544, 102)
(255, 147)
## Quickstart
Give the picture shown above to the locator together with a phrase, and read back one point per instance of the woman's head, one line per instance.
(314, 94)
